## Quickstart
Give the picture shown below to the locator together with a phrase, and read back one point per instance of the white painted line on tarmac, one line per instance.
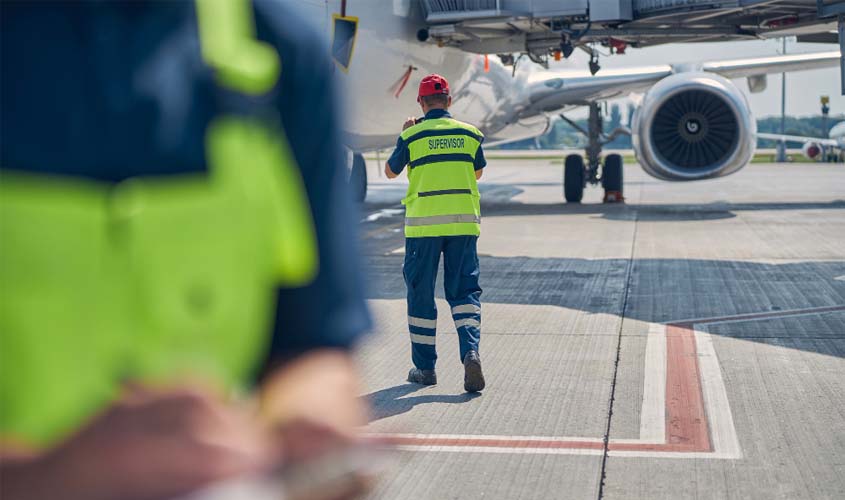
(483, 437)
(566, 451)
(652, 442)
(722, 429)
(653, 413)
(510, 451)
(738, 318)
(670, 454)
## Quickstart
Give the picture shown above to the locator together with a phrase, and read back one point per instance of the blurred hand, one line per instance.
(410, 122)
(313, 405)
(148, 445)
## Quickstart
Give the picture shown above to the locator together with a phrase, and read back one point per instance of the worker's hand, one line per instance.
(388, 172)
(410, 122)
(320, 387)
(314, 406)
(148, 445)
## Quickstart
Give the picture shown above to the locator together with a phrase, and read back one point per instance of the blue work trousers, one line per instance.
(460, 272)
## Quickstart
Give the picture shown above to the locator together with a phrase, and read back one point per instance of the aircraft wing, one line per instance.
(797, 138)
(775, 64)
(553, 90)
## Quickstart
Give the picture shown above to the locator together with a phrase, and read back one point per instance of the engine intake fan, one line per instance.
(693, 126)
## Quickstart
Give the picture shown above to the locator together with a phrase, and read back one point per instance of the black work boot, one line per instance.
(473, 378)
(424, 377)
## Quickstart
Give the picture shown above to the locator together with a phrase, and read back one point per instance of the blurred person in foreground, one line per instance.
(180, 286)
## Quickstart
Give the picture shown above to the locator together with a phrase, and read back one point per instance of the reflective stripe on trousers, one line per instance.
(459, 323)
(422, 330)
(466, 309)
(422, 322)
(423, 339)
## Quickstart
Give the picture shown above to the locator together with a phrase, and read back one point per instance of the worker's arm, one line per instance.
(399, 158)
(479, 163)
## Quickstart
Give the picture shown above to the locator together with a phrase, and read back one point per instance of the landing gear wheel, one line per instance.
(611, 179)
(573, 178)
(358, 178)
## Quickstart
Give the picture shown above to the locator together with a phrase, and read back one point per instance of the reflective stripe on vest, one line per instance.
(442, 198)
(153, 277)
(434, 220)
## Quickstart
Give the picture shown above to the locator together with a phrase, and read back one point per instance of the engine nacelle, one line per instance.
(812, 150)
(693, 126)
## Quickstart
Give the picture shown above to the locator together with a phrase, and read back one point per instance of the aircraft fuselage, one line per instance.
(386, 47)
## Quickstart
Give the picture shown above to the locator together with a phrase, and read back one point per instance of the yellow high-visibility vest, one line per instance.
(442, 198)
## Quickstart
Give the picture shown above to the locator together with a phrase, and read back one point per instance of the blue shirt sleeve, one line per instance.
(400, 157)
(480, 162)
(330, 312)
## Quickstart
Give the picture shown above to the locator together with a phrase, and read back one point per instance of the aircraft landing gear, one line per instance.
(576, 174)
(358, 178)
(611, 179)
(573, 178)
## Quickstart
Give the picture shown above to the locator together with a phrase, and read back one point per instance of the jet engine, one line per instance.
(812, 150)
(693, 126)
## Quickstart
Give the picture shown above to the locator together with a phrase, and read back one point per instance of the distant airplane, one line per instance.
(692, 122)
(830, 148)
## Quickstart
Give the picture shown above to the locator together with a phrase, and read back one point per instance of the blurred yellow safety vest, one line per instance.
(442, 198)
(152, 278)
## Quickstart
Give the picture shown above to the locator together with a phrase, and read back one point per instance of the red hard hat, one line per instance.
(433, 84)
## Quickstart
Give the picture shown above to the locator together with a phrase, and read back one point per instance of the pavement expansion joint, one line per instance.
(628, 277)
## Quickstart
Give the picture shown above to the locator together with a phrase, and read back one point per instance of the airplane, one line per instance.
(831, 148)
(692, 122)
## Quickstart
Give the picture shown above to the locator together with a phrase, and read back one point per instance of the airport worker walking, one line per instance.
(180, 289)
(442, 216)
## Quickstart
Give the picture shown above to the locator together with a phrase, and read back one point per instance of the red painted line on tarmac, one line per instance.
(539, 444)
(675, 448)
(687, 428)
(532, 444)
(686, 420)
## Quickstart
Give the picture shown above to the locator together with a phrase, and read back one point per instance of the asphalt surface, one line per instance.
(687, 344)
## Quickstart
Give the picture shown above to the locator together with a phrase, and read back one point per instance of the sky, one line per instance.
(803, 89)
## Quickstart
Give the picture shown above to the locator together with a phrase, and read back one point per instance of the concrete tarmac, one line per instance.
(687, 344)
